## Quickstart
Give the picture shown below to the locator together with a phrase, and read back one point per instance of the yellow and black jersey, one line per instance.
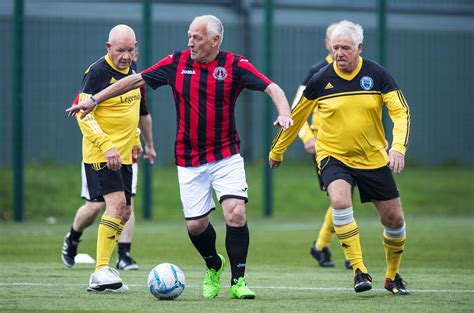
(308, 132)
(112, 124)
(350, 108)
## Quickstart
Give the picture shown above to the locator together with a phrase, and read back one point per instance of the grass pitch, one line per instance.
(438, 265)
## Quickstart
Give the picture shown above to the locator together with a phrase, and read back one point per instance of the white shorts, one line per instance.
(85, 190)
(226, 177)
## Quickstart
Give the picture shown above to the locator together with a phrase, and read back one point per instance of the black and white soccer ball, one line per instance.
(166, 281)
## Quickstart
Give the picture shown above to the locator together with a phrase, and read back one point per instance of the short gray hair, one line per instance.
(330, 29)
(214, 26)
(347, 28)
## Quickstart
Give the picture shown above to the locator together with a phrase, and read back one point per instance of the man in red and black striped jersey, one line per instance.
(206, 83)
(351, 149)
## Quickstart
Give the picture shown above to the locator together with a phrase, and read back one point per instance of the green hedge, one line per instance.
(53, 191)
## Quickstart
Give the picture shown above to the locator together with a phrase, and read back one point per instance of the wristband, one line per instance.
(94, 101)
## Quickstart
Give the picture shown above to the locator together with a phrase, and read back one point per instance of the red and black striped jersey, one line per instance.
(205, 97)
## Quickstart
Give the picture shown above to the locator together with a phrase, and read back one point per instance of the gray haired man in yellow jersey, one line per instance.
(350, 147)
(319, 249)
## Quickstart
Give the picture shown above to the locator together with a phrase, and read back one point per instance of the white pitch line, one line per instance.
(260, 287)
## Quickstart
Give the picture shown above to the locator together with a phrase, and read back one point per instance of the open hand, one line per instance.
(283, 121)
(86, 106)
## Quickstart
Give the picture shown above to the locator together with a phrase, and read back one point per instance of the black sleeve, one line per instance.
(313, 70)
(91, 83)
(250, 77)
(157, 75)
(388, 83)
(311, 91)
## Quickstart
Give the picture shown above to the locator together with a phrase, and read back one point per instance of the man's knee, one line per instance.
(340, 193)
(234, 212)
(94, 207)
(196, 227)
(115, 204)
(391, 213)
(393, 218)
(126, 214)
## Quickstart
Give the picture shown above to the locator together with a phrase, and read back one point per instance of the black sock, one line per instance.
(237, 244)
(123, 248)
(74, 235)
(205, 244)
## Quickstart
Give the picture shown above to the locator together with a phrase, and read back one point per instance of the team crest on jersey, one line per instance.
(366, 83)
(219, 73)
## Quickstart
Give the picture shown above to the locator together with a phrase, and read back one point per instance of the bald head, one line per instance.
(121, 32)
(121, 46)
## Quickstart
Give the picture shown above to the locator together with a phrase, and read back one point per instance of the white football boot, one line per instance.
(106, 279)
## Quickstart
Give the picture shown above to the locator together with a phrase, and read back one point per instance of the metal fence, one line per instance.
(428, 50)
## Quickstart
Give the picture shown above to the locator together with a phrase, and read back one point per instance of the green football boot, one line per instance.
(241, 291)
(212, 282)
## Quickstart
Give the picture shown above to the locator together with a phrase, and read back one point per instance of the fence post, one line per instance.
(17, 109)
(147, 48)
(381, 54)
(267, 111)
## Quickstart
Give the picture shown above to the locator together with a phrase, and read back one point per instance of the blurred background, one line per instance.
(47, 44)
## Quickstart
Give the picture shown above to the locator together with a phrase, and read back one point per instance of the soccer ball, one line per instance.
(166, 281)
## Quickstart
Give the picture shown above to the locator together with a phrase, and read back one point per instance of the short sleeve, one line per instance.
(250, 77)
(157, 75)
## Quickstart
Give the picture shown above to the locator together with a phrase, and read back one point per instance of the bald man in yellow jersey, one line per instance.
(319, 249)
(110, 138)
(350, 148)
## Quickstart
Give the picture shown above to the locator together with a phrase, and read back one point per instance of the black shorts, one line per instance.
(374, 184)
(102, 181)
(320, 180)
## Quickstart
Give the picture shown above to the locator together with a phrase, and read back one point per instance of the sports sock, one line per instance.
(74, 235)
(109, 232)
(123, 248)
(205, 244)
(326, 232)
(349, 238)
(237, 245)
(394, 244)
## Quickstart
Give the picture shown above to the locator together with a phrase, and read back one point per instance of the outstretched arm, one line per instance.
(120, 87)
(281, 104)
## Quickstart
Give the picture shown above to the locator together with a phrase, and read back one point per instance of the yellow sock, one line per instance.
(350, 241)
(326, 232)
(393, 254)
(108, 235)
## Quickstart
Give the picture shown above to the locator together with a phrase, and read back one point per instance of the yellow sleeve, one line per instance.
(400, 115)
(298, 95)
(305, 133)
(284, 138)
(91, 130)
